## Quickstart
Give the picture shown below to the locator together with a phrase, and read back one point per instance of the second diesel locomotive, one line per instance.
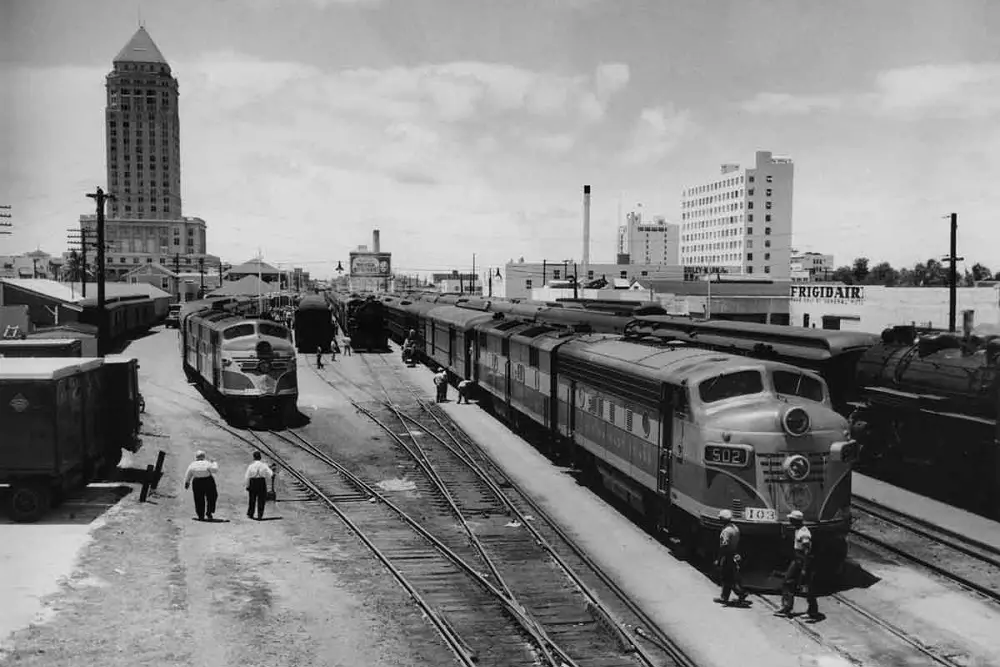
(678, 432)
(247, 365)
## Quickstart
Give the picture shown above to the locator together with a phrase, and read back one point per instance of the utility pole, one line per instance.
(102, 326)
(85, 239)
(472, 287)
(201, 269)
(576, 280)
(543, 272)
(953, 273)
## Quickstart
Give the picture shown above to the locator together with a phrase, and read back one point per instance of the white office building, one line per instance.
(648, 243)
(740, 221)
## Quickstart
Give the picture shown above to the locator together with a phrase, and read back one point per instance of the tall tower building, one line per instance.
(650, 243)
(740, 221)
(144, 223)
(143, 133)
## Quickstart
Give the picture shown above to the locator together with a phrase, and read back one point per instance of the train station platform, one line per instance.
(932, 511)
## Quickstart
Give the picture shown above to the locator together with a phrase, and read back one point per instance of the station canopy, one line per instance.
(246, 286)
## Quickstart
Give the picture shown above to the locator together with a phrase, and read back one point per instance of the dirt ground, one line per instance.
(157, 587)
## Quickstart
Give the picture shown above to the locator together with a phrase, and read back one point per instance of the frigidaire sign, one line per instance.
(853, 295)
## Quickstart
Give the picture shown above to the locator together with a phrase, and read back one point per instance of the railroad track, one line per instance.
(962, 560)
(517, 544)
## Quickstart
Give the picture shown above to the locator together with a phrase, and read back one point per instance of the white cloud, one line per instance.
(303, 161)
(657, 132)
(957, 91)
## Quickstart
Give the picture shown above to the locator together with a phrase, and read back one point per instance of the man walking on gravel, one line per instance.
(200, 477)
(319, 357)
(257, 477)
(800, 570)
(729, 560)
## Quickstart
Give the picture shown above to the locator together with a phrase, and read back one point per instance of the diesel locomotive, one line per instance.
(678, 432)
(248, 366)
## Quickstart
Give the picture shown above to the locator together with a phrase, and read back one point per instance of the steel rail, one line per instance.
(926, 529)
(516, 610)
(454, 641)
(658, 637)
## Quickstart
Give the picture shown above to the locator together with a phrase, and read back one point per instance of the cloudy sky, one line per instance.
(470, 126)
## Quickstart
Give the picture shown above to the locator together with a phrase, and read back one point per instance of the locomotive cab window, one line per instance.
(238, 331)
(272, 330)
(721, 387)
(791, 383)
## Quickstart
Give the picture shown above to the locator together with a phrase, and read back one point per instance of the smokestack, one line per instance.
(375, 245)
(586, 230)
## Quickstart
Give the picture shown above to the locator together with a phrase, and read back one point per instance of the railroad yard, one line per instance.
(413, 533)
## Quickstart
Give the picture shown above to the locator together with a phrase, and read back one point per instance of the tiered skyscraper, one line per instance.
(142, 125)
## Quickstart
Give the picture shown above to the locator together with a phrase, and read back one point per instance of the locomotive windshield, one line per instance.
(741, 383)
(791, 383)
(238, 331)
(272, 330)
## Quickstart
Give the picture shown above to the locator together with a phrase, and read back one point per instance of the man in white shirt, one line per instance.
(200, 476)
(256, 479)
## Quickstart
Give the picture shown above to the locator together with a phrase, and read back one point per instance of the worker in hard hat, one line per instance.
(729, 560)
(800, 570)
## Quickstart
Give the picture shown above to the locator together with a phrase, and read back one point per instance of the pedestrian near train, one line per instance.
(729, 560)
(441, 382)
(334, 349)
(464, 389)
(319, 357)
(800, 570)
(347, 346)
(200, 478)
(257, 476)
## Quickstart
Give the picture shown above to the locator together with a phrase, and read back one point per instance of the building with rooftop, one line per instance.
(810, 267)
(144, 222)
(648, 242)
(741, 220)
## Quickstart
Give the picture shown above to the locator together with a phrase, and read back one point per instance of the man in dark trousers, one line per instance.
(800, 570)
(729, 560)
(200, 477)
(319, 357)
(257, 477)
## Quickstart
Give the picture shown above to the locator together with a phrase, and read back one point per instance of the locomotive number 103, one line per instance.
(721, 455)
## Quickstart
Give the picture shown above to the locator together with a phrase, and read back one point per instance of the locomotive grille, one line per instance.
(249, 364)
(774, 474)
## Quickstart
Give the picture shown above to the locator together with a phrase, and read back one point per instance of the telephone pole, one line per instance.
(102, 328)
(85, 239)
(953, 273)
(201, 268)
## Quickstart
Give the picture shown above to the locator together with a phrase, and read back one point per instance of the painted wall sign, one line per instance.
(853, 295)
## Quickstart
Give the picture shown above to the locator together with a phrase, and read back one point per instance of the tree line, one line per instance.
(931, 273)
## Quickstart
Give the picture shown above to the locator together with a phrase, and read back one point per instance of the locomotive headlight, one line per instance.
(795, 421)
(796, 467)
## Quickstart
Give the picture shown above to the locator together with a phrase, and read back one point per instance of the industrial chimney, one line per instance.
(375, 245)
(586, 231)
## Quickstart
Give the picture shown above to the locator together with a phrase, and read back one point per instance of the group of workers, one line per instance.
(200, 478)
(800, 571)
(440, 376)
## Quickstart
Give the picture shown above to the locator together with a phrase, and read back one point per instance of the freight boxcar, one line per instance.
(65, 422)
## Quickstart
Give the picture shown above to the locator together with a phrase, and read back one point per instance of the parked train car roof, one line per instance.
(461, 317)
(798, 342)
(313, 302)
(45, 368)
(670, 363)
(114, 300)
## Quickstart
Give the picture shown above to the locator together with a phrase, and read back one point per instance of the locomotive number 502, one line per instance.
(720, 455)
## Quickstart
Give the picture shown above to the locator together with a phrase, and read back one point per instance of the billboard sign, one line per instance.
(371, 264)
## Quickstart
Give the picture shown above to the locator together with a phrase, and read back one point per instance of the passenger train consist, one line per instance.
(362, 318)
(677, 431)
(246, 365)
